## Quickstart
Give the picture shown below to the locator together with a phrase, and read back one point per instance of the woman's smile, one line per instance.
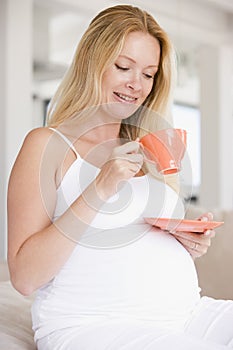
(125, 98)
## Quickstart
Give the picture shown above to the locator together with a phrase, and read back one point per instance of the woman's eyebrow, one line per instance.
(132, 60)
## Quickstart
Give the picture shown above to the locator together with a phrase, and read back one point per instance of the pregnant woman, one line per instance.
(78, 195)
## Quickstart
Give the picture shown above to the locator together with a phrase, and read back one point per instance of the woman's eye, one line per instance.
(149, 76)
(121, 68)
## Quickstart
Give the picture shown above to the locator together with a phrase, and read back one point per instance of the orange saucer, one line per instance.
(183, 225)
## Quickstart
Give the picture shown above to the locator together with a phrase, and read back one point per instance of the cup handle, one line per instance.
(144, 157)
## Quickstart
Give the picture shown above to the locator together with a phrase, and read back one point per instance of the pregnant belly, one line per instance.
(152, 278)
(167, 278)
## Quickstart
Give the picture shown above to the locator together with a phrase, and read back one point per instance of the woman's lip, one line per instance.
(124, 97)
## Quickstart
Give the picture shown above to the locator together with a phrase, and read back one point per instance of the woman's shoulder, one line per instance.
(38, 135)
(38, 144)
(41, 140)
(33, 155)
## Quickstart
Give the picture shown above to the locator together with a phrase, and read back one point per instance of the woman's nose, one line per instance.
(135, 83)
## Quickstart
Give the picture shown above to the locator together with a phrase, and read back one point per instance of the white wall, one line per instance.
(2, 130)
(15, 90)
(216, 102)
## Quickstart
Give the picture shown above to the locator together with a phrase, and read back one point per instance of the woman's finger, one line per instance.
(126, 148)
(195, 249)
(192, 240)
(206, 217)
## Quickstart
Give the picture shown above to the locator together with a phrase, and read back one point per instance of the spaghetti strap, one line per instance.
(69, 143)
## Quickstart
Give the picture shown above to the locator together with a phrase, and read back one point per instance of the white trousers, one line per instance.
(210, 328)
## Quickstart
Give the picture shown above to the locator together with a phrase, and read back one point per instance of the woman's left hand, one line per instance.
(196, 244)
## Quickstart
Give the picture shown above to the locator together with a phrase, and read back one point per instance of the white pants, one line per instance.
(210, 328)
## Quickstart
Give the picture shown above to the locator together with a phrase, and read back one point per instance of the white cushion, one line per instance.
(215, 268)
(15, 319)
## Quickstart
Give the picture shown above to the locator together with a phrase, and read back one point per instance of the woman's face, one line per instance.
(128, 82)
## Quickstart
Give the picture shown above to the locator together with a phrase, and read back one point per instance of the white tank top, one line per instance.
(121, 267)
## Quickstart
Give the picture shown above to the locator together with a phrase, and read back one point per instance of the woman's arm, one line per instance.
(38, 248)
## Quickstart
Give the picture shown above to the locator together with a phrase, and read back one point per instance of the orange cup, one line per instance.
(165, 148)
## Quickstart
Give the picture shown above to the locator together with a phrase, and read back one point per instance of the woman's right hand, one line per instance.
(124, 163)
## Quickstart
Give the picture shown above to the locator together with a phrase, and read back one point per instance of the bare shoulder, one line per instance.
(41, 142)
(36, 147)
(33, 173)
(45, 140)
(39, 136)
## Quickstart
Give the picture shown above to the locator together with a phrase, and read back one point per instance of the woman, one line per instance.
(79, 191)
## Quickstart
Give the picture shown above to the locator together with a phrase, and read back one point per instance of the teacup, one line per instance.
(165, 148)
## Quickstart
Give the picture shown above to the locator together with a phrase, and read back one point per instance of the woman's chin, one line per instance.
(119, 110)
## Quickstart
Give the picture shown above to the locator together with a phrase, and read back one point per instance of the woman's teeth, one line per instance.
(125, 97)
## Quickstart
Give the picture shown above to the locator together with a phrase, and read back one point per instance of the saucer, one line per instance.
(183, 224)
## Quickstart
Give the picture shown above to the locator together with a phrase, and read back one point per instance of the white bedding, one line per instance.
(15, 319)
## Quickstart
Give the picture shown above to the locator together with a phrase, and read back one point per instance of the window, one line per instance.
(188, 117)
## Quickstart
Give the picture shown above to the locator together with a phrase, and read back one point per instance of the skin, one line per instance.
(197, 244)
(130, 79)
(37, 247)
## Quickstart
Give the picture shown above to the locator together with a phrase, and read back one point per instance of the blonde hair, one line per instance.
(99, 47)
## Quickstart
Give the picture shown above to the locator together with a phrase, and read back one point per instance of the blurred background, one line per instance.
(38, 39)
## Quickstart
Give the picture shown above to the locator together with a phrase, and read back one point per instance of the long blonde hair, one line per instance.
(99, 47)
